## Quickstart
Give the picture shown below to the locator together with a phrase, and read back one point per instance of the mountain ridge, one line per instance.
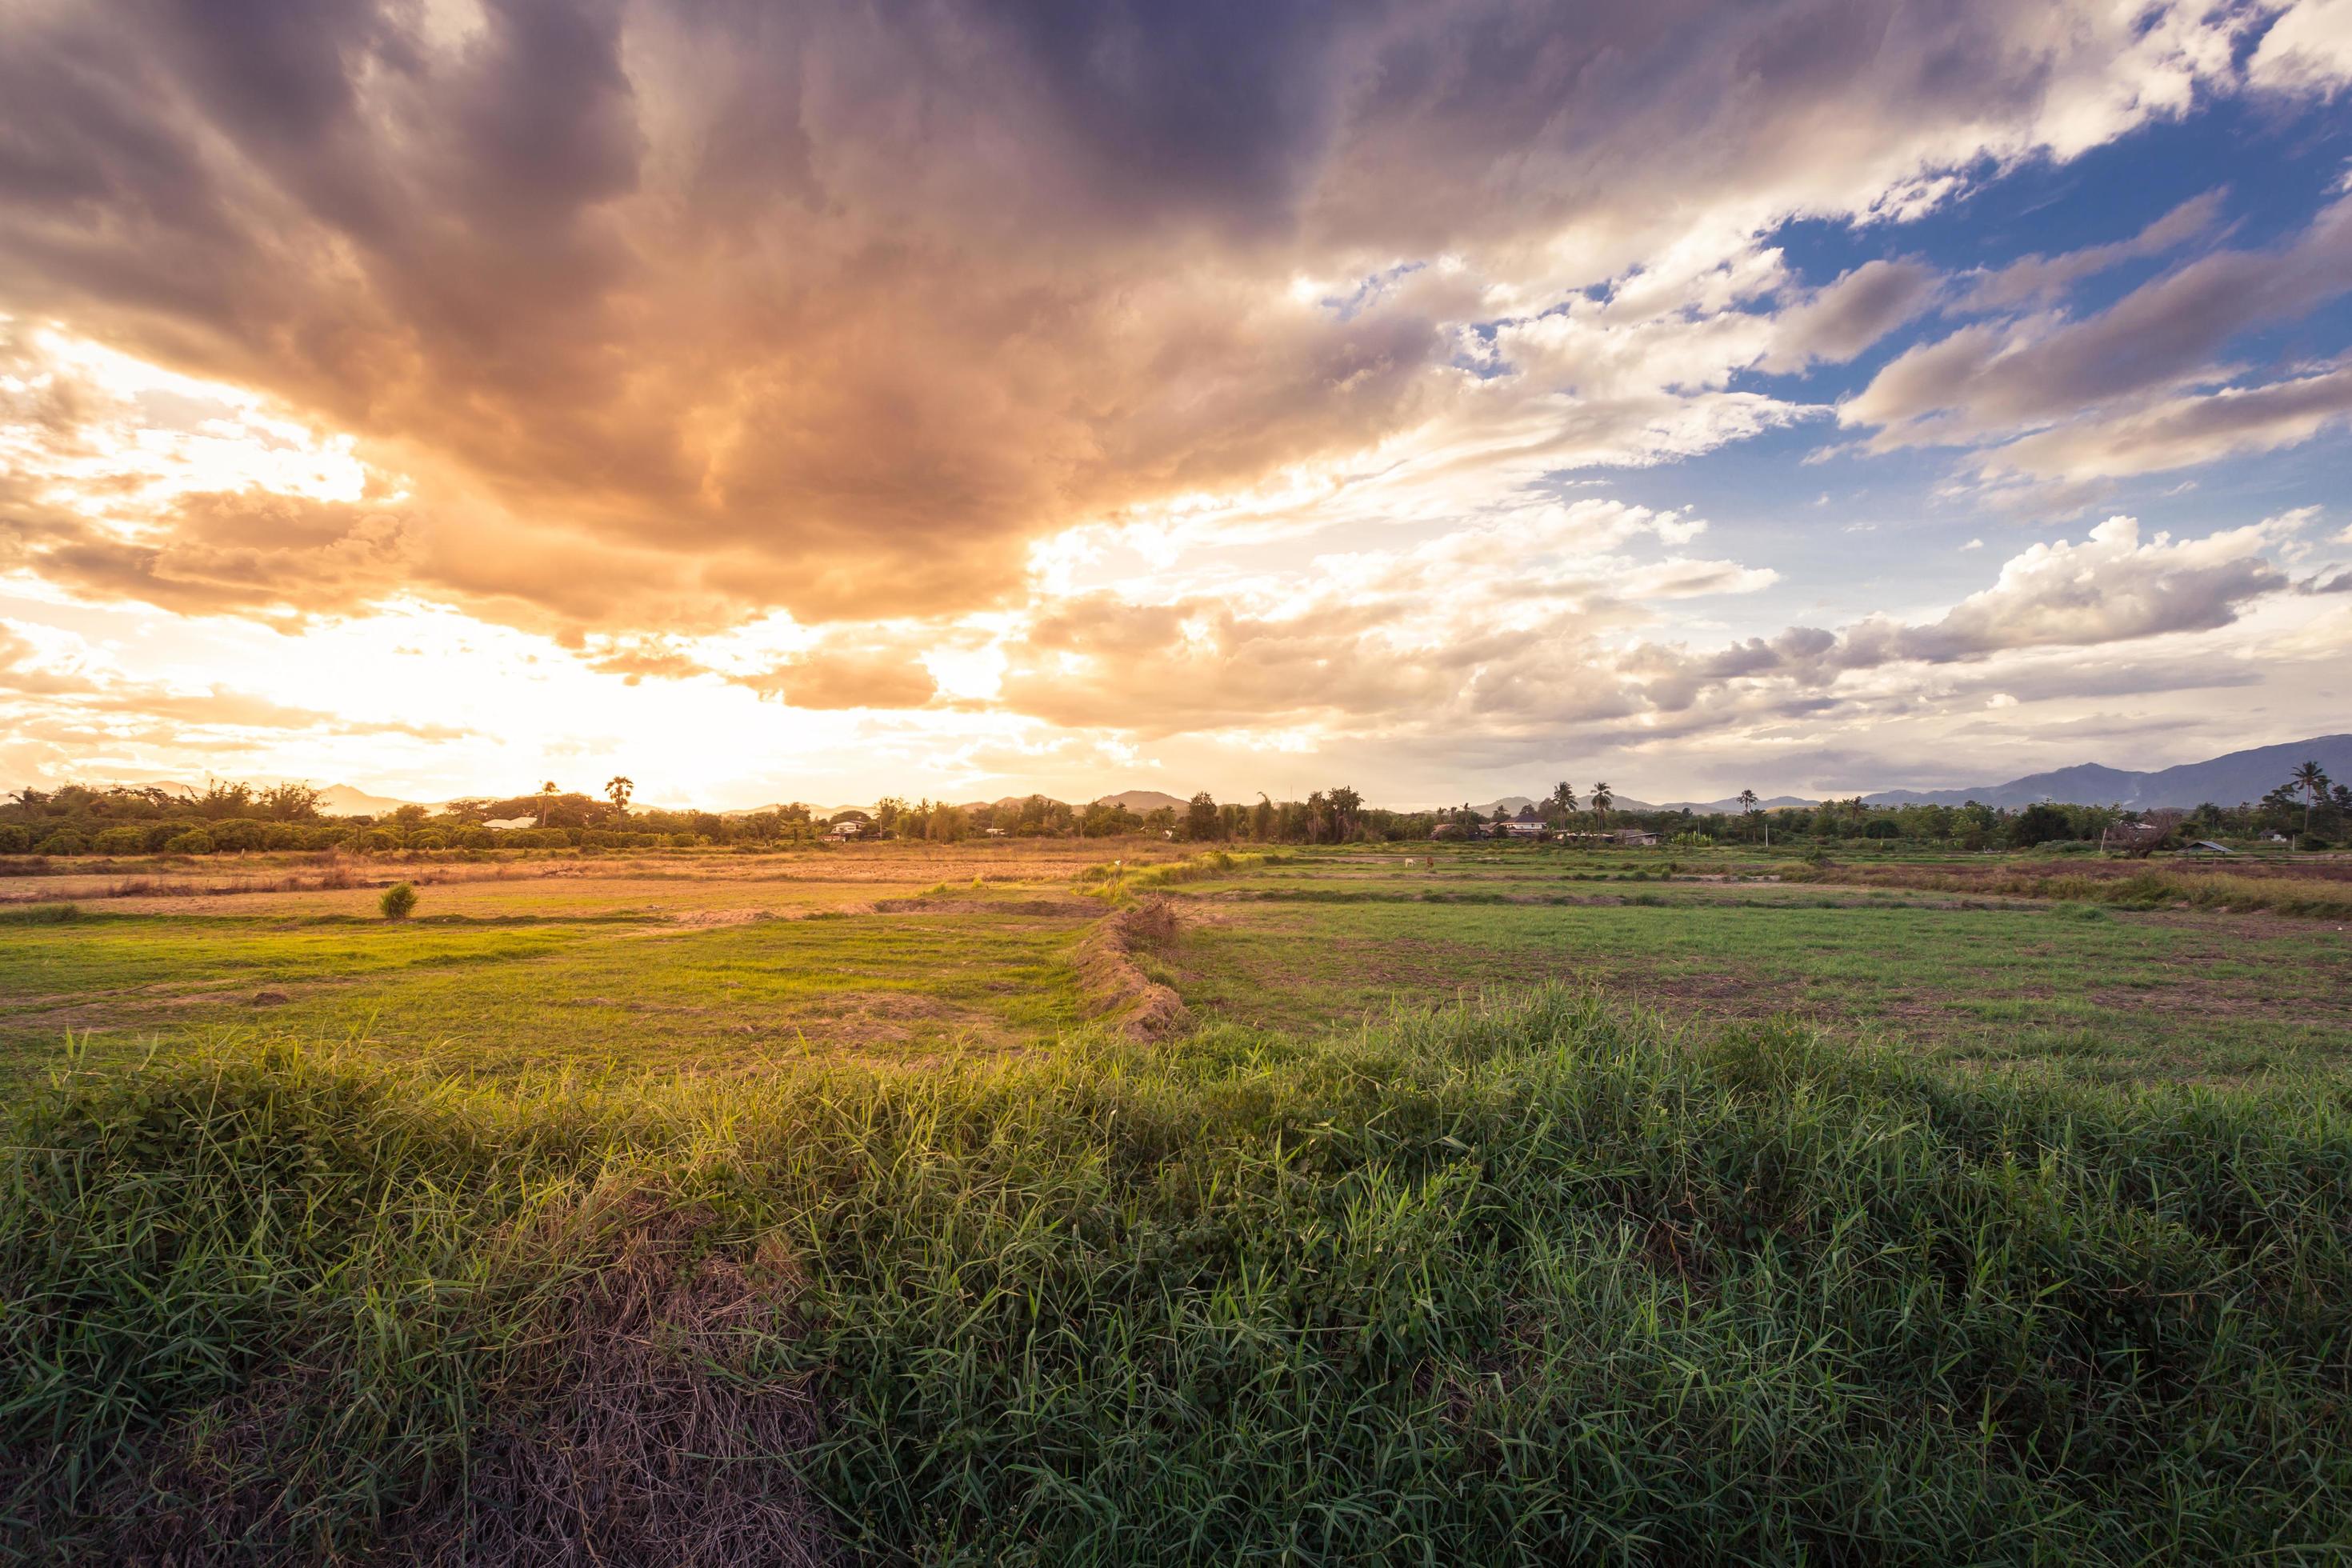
(2230, 779)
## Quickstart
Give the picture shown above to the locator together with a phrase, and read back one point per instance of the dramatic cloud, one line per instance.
(1004, 390)
(2307, 49)
(1991, 379)
(848, 678)
(1538, 645)
(2184, 432)
(1840, 321)
(2110, 588)
(2033, 278)
(834, 309)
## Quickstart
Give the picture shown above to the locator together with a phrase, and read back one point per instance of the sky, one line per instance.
(1446, 398)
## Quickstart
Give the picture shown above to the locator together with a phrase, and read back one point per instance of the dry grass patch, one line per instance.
(1114, 987)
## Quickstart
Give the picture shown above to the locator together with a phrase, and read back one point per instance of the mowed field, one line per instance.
(908, 952)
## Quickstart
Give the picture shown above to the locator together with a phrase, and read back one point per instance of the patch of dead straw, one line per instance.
(1115, 986)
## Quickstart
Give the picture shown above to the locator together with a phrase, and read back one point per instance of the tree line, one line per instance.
(76, 819)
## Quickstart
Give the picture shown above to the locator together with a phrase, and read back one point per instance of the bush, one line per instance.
(123, 840)
(397, 901)
(64, 841)
(240, 833)
(14, 838)
(195, 841)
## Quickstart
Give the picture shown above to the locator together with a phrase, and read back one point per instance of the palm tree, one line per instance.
(1747, 804)
(1601, 801)
(1563, 798)
(1345, 803)
(617, 789)
(2312, 782)
(547, 794)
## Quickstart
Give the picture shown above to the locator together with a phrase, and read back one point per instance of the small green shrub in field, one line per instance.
(39, 914)
(398, 902)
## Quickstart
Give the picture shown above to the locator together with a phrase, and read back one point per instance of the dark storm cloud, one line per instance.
(679, 311)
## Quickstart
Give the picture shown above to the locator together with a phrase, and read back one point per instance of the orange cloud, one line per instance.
(675, 315)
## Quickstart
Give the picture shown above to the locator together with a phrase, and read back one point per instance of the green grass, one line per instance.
(2167, 996)
(506, 996)
(1533, 1209)
(1531, 1281)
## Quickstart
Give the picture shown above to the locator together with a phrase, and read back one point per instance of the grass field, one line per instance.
(1495, 1204)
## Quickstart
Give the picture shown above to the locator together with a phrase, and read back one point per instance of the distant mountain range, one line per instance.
(1510, 803)
(2224, 780)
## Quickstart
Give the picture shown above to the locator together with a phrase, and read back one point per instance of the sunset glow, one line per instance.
(826, 402)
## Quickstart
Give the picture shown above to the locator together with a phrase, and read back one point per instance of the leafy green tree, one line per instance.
(289, 802)
(2038, 823)
(1201, 820)
(617, 789)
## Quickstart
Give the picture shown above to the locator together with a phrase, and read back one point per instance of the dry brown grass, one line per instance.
(644, 1433)
(634, 1430)
(1115, 986)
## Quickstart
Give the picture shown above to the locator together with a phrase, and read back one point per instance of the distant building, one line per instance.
(846, 829)
(507, 824)
(1518, 830)
(1637, 839)
(2205, 846)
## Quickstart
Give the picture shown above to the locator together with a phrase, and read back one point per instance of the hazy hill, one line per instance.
(1731, 804)
(343, 800)
(1141, 801)
(2225, 780)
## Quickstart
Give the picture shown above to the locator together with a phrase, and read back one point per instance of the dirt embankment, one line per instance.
(1116, 986)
